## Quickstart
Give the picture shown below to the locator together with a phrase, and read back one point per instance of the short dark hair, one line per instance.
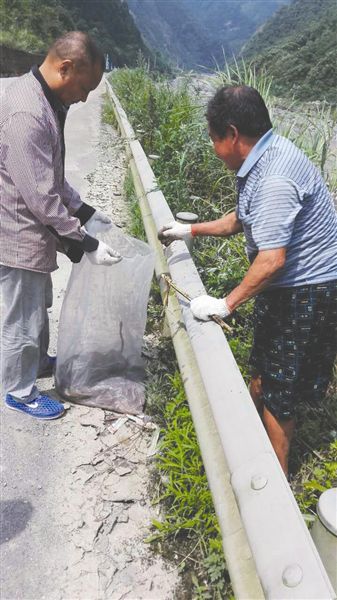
(78, 47)
(241, 106)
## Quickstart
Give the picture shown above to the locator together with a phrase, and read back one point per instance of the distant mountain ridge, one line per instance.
(297, 46)
(293, 40)
(196, 33)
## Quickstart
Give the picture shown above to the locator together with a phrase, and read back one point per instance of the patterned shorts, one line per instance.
(295, 345)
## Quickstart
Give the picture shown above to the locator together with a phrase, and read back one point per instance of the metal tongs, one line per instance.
(214, 318)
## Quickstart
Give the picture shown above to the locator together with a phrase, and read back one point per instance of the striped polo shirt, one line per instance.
(284, 202)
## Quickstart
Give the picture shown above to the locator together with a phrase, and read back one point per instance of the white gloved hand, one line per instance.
(104, 255)
(205, 306)
(175, 231)
(98, 223)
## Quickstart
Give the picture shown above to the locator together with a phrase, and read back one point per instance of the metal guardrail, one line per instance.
(269, 551)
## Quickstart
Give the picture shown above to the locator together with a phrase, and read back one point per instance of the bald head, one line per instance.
(78, 47)
(73, 67)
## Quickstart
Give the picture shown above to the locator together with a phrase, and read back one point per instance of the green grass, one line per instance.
(186, 530)
(189, 521)
(136, 227)
(317, 474)
(108, 113)
(314, 453)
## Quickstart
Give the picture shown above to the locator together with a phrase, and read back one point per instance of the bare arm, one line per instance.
(224, 227)
(261, 272)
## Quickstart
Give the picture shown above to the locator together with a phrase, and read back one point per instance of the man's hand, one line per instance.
(205, 306)
(104, 255)
(98, 223)
(174, 231)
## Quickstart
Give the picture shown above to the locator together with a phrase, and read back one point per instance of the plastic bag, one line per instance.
(101, 328)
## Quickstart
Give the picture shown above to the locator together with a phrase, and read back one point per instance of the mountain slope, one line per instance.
(297, 46)
(171, 29)
(198, 32)
(33, 24)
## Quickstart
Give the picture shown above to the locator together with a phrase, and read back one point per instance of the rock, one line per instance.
(153, 447)
(83, 538)
(94, 418)
(78, 524)
(102, 511)
(108, 569)
(122, 471)
(106, 527)
(123, 517)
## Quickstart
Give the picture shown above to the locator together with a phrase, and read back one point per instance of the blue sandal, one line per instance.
(42, 407)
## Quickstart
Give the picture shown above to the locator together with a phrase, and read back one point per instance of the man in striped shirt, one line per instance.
(41, 213)
(290, 225)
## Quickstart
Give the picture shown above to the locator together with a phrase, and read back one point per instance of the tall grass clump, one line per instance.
(241, 72)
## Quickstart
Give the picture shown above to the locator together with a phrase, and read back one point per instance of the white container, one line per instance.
(324, 533)
(189, 218)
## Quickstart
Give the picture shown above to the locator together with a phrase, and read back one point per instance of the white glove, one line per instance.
(98, 223)
(104, 255)
(175, 231)
(205, 306)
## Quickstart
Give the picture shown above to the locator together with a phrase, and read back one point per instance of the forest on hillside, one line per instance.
(197, 33)
(297, 47)
(32, 25)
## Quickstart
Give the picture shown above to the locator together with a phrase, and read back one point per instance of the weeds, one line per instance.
(315, 476)
(136, 227)
(314, 456)
(241, 72)
(108, 113)
(189, 516)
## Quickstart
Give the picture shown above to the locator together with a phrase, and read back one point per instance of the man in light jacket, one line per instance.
(41, 213)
